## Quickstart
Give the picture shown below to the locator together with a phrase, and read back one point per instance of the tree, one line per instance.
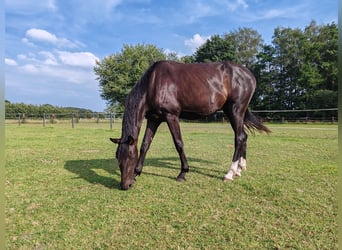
(187, 59)
(321, 65)
(263, 70)
(289, 59)
(247, 43)
(118, 73)
(325, 91)
(215, 49)
(299, 69)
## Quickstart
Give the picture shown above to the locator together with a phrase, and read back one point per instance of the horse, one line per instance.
(169, 91)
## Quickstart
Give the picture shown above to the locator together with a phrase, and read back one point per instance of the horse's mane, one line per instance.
(134, 105)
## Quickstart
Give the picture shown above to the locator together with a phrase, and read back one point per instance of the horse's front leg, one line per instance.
(173, 123)
(150, 131)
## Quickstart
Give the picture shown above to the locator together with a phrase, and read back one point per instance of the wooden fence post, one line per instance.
(44, 119)
(72, 120)
(111, 121)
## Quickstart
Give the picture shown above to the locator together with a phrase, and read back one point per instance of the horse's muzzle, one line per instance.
(126, 185)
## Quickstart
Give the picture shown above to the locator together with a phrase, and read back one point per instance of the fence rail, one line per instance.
(273, 116)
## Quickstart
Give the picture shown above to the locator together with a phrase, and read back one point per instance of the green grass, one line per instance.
(62, 190)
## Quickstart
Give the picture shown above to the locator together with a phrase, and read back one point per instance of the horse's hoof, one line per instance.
(225, 179)
(180, 179)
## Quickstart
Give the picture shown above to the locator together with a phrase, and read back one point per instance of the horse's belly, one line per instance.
(204, 105)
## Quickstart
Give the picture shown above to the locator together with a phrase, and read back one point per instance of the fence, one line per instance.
(62, 118)
(272, 116)
(300, 116)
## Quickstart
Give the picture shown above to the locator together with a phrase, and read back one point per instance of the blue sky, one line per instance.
(52, 45)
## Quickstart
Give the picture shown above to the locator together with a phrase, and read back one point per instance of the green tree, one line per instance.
(215, 49)
(288, 61)
(187, 59)
(299, 69)
(328, 36)
(263, 70)
(247, 43)
(118, 73)
(320, 69)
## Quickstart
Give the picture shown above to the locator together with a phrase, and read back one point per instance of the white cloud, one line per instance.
(110, 4)
(68, 67)
(10, 62)
(293, 12)
(41, 35)
(27, 41)
(79, 59)
(196, 41)
(28, 57)
(63, 74)
(94, 11)
(274, 13)
(30, 6)
(233, 6)
(50, 59)
(200, 10)
(30, 68)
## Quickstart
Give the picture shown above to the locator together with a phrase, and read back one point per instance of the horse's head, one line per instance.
(127, 156)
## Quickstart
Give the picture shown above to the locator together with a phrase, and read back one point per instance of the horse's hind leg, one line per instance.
(236, 117)
(173, 123)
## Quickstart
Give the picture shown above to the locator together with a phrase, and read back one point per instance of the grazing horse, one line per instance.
(169, 91)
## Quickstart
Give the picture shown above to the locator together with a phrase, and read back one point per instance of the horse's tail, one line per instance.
(253, 122)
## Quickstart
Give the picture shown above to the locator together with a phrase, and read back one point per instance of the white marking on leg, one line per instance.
(243, 163)
(232, 170)
(241, 167)
(238, 172)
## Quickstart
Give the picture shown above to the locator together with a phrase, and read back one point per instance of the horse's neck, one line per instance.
(134, 115)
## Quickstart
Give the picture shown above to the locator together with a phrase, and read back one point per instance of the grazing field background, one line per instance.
(62, 190)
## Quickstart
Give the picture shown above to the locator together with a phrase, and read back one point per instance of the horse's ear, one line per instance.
(115, 140)
(130, 140)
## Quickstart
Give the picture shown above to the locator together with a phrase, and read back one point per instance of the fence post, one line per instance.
(44, 119)
(111, 121)
(72, 120)
(19, 119)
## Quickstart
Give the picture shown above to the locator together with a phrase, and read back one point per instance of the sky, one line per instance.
(51, 46)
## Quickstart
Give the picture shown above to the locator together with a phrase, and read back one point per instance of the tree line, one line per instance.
(13, 109)
(298, 70)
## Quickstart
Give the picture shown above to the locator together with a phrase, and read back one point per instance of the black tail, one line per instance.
(252, 122)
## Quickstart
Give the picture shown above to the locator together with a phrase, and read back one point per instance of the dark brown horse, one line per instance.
(169, 91)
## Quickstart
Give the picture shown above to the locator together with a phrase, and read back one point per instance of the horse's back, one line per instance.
(200, 88)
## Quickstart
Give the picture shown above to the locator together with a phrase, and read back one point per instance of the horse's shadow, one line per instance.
(174, 163)
(89, 169)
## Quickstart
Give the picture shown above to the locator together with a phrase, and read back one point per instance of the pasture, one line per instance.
(62, 190)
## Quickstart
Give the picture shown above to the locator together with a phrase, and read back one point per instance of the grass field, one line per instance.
(62, 190)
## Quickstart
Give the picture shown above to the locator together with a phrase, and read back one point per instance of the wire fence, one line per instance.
(271, 116)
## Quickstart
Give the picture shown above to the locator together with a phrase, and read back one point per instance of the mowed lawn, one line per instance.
(62, 190)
